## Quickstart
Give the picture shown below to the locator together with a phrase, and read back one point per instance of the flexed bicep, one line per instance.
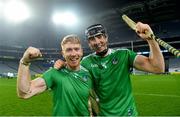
(36, 86)
(144, 63)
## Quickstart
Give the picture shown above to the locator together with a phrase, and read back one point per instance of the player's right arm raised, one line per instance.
(155, 62)
(26, 87)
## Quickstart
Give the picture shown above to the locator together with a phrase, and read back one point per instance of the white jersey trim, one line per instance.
(135, 60)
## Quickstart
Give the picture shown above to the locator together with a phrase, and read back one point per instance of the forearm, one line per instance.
(156, 58)
(23, 80)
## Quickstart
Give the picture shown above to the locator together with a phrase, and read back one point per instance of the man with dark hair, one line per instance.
(110, 69)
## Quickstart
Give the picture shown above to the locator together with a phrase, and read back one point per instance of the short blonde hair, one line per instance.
(70, 38)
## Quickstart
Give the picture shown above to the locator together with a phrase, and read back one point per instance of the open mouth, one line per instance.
(98, 47)
(74, 59)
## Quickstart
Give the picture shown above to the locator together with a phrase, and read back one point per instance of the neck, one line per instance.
(103, 53)
(77, 68)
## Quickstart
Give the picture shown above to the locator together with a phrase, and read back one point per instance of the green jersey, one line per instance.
(111, 79)
(70, 89)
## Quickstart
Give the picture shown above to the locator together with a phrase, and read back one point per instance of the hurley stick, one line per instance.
(171, 49)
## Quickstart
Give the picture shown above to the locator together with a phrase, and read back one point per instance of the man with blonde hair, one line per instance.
(71, 85)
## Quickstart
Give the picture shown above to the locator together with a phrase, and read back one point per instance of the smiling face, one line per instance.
(72, 52)
(97, 38)
(98, 43)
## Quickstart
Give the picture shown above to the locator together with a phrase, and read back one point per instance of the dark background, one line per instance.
(39, 30)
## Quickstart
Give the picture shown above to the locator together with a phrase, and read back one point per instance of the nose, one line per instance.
(73, 52)
(96, 39)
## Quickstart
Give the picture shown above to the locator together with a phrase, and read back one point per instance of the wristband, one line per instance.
(24, 63)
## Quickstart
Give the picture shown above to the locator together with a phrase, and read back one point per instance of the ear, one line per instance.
(90, 45)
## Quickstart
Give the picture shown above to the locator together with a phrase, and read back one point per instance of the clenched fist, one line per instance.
(144, 31)
(30, 54)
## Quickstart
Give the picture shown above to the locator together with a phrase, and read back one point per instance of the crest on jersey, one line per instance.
(85, 78)
(115, 61)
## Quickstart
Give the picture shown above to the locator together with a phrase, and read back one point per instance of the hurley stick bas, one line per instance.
(171, 49)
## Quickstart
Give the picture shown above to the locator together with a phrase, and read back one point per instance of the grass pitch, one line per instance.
(11, 105)
(155, 95)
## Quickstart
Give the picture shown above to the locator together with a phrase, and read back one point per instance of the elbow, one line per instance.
(162, 70)
(159, 69)
(22, 94)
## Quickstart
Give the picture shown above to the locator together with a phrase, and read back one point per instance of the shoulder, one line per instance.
(51, 69)
(87, 59)
(88, 56)
(83, 69)
(125, 53)
(120, 51)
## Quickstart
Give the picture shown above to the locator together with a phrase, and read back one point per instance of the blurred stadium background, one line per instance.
(38, 25)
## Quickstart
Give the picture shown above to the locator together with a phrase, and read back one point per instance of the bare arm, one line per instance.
(26, 87)
(155, 62)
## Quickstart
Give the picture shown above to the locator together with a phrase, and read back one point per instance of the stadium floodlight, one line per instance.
(16, 11)
(1, 4)
(1, 8)
(66, 18)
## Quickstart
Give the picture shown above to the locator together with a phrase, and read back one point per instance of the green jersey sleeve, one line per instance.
(48, 77)
(131, 55)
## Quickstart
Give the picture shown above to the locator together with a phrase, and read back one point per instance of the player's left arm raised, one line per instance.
(155, 62)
